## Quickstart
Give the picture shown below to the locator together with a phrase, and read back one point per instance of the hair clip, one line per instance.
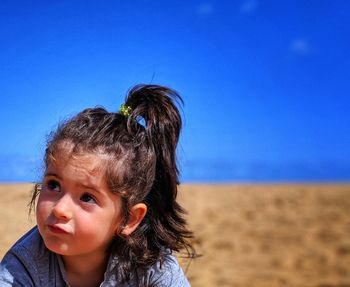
(125, 110)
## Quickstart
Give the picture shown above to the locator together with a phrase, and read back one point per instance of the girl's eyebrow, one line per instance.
(52, 174)
(89, 187)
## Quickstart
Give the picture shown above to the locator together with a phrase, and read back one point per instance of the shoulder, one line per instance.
(29, 247)
(24, 263)
(17, 264)
(30, 241)
(167, 273)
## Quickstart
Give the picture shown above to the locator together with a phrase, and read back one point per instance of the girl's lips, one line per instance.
(57, 229)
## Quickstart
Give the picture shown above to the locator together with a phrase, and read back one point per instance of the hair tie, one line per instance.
(125, 110)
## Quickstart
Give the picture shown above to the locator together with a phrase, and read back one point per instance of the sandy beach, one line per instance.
(247, 235)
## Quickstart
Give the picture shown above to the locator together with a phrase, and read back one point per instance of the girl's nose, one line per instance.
(63, 208)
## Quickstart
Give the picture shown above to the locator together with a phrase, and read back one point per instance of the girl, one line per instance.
(106, 210)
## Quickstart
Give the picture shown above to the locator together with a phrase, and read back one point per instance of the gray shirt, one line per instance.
(30, 263)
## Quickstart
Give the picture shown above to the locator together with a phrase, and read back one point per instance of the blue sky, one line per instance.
(265, 83)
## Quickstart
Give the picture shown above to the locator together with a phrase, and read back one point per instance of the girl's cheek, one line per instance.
(40, 210)
(43, 207)
(46, 198)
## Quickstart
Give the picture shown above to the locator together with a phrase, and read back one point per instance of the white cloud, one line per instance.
(300, 47)
(248, 6)
(204, 9)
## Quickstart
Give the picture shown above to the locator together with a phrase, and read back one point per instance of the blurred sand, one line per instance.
(248, 235)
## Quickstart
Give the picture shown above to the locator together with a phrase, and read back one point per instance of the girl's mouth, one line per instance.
(54, 228)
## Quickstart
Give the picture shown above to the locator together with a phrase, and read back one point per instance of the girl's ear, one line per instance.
(137, 213)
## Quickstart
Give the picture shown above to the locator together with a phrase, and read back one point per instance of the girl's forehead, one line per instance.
(91, 162)
(85, 170)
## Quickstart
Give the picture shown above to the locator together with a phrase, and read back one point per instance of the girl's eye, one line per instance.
(88, 198)
(53, 185)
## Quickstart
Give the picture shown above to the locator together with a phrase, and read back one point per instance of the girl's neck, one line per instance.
(85, 271)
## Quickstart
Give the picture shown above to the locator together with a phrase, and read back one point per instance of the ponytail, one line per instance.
(164, 227)
(156, 106)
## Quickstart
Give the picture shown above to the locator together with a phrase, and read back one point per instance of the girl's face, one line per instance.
(76, 213)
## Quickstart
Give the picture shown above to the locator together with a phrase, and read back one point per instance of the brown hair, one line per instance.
(141, 167)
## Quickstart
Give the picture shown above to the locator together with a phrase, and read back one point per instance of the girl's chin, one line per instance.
(56, 246)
